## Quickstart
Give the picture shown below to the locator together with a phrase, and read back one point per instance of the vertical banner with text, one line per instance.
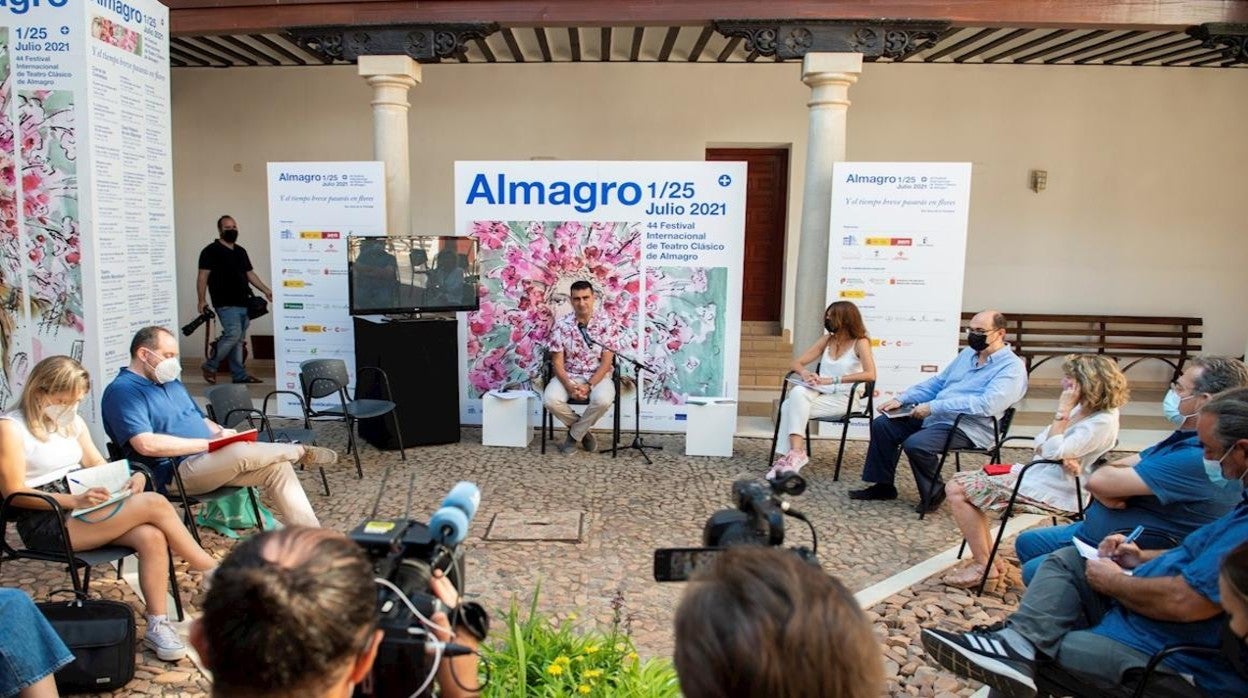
(898, 251)
(661, 242)
(86, 207)
(313, 208)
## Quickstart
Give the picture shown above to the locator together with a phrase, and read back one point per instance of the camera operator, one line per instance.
(294, 613)
(762, 622)
(226, 274)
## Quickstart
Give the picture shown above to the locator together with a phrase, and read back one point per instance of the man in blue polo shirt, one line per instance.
(981, 383)
(1093, 618)
(148, 411)
(1164, 488)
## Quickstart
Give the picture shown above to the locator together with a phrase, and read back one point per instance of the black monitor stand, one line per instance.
(421, 359)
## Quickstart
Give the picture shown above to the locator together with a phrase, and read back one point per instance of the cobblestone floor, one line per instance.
(629, 510)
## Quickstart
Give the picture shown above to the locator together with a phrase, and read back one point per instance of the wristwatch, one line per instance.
(1059, 417)
(472, 617)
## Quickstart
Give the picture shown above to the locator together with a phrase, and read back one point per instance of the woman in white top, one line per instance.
(844, 356)
(1084, 428)
(41, 440)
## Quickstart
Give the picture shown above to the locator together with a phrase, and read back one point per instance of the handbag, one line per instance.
(101, 635)
(257, 306)
(226, 514)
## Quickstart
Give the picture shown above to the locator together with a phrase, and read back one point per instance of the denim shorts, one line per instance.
(29, 648)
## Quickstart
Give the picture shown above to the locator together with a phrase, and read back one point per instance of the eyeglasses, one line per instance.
(978, 330)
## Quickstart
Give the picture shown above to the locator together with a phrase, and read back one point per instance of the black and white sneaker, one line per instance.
(985, 657)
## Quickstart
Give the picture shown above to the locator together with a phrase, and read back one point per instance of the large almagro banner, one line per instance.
(86, 203)
(313, 208)
(662, 244)
(898, 250)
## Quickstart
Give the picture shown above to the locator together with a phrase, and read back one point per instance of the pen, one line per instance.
(1133, 535)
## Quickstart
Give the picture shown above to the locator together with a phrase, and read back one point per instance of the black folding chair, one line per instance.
(857, 389)
(73, 560)
(1000, 430)
(1152, 681)
(320, 378)
(230, 406)
(548, 417)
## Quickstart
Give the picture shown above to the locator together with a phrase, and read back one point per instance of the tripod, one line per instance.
(638, 368)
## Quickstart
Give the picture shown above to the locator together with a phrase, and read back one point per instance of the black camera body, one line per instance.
(189, 328)
(757, 520)
(405, 553)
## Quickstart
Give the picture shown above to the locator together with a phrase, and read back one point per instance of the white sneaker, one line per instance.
(163, 638)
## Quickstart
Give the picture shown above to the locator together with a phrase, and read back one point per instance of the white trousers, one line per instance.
(600, 399)
(800, 405)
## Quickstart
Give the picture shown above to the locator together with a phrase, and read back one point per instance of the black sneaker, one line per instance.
(878, 492)
(985, 657)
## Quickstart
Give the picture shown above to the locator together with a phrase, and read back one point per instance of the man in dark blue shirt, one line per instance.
(1093, 618)
(1164, 488)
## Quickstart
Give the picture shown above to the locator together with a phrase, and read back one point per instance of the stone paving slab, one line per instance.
(629, 509)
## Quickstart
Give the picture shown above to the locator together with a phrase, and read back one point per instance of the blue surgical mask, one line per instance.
(1213, 469)
(1170, 408)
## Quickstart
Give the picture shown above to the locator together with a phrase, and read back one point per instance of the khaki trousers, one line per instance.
(253, 464)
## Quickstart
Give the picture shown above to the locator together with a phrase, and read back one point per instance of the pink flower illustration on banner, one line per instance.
(527, 272)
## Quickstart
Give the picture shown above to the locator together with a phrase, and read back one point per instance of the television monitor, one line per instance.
(392, 275)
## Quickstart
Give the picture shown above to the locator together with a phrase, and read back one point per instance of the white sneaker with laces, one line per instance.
(163, 638)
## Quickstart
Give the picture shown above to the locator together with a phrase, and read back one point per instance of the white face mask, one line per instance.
(167, 370)
(61, 415)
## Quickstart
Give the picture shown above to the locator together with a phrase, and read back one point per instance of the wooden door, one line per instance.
(766, 201)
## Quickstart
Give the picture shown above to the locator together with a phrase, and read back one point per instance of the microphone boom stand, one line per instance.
(638, 367)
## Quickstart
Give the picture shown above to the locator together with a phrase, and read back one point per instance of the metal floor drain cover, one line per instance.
(550, 526)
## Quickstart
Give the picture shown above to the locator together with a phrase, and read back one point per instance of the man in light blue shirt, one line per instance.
(982, 382)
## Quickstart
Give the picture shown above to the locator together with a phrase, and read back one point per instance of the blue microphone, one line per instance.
(449, 524)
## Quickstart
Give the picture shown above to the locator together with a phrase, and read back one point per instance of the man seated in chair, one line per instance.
(1094, 619)
(148, 411)
(982, 382)
(581, 371)
(1164, 488)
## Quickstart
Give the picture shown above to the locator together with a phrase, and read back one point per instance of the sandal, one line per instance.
(969, 576)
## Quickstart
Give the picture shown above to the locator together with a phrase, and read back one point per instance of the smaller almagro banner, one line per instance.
(662, 244)
(313, 208)
(898, 250)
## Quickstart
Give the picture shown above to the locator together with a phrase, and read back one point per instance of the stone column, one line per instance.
(391, 77)
(829, 76)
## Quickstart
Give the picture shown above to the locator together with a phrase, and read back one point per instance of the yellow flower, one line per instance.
(582, 689)
(632, 656)
(620, 647)
(555, 669)
(572, 616)
(562, 659)
(591, 649)
(593, 673)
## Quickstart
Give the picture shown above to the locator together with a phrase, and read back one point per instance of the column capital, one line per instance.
(399, 68)
(848, 65)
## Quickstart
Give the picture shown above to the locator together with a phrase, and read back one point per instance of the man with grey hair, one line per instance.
(1164, 488)
(1092, 618)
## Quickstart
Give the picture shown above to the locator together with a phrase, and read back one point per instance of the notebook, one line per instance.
(113, 477)
(249, 435)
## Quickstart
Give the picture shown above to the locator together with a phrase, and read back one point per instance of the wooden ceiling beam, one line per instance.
(259, 16)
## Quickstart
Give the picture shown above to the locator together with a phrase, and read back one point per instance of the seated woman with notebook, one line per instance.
(41, 442)
(844, 356)
(1083, 429)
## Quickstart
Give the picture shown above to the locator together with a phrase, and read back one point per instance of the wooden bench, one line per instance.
(1037, 338)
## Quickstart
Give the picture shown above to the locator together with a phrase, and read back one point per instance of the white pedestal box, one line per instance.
(505, 418)
(712, 422)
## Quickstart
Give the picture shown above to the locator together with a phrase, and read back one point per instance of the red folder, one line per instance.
(249, 435)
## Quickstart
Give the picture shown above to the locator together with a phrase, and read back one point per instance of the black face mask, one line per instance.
(1233, 649)
(977, 340)
(827, 325)
(230, 235)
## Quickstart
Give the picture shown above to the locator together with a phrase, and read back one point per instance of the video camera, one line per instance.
(189, 328)
(405, 554)
(757, 520)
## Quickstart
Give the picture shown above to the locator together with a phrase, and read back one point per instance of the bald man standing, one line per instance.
(982, 382)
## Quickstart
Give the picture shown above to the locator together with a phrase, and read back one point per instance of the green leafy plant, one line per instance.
(539, 657)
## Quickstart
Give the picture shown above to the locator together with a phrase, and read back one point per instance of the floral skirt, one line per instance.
(992, 493)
